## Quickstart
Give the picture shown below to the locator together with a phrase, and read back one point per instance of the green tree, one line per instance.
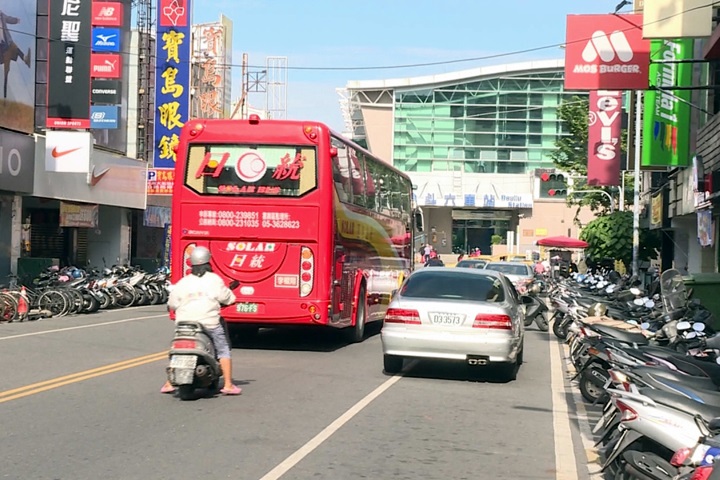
(610, 236)
(571, 156)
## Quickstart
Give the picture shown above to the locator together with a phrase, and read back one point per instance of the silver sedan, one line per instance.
(471, 315)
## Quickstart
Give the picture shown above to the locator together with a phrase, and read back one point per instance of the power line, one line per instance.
(410, 65)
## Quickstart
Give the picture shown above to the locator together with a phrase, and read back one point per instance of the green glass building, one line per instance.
(474, 142)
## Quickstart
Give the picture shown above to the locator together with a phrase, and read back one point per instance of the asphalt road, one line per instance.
(79, 399)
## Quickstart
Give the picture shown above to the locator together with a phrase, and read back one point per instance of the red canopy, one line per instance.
(562, 242)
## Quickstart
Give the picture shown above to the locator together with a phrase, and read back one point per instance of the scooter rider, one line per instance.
(198, 297)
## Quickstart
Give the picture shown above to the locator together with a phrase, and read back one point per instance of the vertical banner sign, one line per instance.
(167, 252)
(172, 78)
(604, 131)
(209, 71)
(70, 36)
(606, 52)
(666, 117)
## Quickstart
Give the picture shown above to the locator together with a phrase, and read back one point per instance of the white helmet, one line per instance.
(199, 256)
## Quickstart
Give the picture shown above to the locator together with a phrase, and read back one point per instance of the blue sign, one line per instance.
(172, 79)
(105, 39)
(104, 116)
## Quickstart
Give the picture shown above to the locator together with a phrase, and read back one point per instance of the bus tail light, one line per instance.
(307, 271)
(187, 268)
(311, 132)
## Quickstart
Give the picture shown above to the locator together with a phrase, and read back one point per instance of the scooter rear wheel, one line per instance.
(186, 392)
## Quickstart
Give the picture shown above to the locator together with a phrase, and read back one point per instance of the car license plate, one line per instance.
(183, 361)
(446, 319)
(247, 307)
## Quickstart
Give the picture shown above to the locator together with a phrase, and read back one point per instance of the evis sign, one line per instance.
(604, 130)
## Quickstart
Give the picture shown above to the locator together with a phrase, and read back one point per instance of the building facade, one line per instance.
(477, 146)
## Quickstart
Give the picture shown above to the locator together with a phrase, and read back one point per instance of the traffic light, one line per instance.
(553, 185)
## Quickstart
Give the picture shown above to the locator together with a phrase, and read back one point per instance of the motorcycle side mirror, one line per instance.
(645, 325)
(699, 327)
(234, 284)
(649, 304)
(683, 325)
(638, 302)
(635, 291)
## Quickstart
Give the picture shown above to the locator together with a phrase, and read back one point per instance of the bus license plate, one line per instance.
(183, 361)
(247, 307)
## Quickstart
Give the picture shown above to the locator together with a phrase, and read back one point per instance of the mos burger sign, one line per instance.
(606, 52)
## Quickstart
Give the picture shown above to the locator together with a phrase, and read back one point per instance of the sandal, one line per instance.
(167, 389)
(235, 390)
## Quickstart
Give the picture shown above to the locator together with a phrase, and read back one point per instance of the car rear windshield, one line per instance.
(471, 264)
(508, 269)
(454, 285)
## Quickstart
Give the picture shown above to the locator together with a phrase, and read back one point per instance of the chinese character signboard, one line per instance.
(172, 79)
(78, 215)
(604, 130)
(160, 181)
(209, 73)
(606, 52)
(69, 64)
(666, 119)
(17, 42)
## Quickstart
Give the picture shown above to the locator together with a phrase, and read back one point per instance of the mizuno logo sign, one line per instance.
(608, 47)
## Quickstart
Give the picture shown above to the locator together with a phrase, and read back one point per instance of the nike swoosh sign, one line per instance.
(96, 177)
(58, 153)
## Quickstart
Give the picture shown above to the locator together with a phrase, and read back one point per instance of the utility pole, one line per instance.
(636, 193)
(244, 87)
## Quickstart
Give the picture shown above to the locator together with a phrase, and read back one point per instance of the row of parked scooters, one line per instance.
(653, 360)
(70, 290)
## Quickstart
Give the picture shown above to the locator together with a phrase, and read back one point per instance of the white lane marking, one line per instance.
(565, 465)
(594, 465)
(66, 329)
(284, 466)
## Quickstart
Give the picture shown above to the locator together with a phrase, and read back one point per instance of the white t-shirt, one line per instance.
(199, 299)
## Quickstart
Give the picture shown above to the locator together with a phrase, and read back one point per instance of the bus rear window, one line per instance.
(251, 170)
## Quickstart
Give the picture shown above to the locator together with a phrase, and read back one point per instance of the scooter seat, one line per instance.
(663, 376)
(684, 404)
(623, 336)
(686, 363)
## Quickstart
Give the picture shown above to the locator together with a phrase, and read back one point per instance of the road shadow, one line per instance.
(299, 338)
(456, 371)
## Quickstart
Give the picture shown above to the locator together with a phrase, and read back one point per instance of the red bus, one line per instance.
(317, 229)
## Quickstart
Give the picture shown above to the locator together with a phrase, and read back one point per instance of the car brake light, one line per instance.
(680, 457)
(402, 315)
(628, 414)
(307, 271)
(493, 321)
(180, 344)
(702, 473)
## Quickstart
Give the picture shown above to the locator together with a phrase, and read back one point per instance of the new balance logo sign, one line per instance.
(607, 54)
(107, 12)
(607, 47)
